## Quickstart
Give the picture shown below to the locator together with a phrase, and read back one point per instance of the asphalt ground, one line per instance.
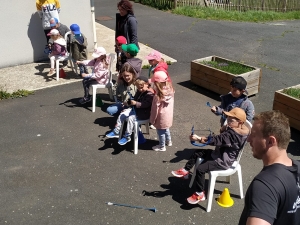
(58, 168)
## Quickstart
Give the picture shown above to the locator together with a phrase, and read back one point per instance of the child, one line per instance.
(235, 98)
(121, 59)
(78, 44)
(228, 145)
(58, 49)
(162, 109)
(131, 50)
(126, 81)
(141, 107)
(100, 72)
(156, 62)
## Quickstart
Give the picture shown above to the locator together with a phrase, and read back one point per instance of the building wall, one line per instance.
(22, 35)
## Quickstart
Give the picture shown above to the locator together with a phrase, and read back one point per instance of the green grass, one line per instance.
(294, 92)
(230, 67)
(16, 94)
(248, 16)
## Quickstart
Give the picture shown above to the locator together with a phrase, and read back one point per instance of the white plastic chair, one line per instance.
(109, 84)
(236, 167)
(137, 124)
(67, 56)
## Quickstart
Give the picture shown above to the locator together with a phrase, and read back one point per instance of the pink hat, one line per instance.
(53, 32)
(121, 40)
(159, 76)
(98, 52)
(154, 55)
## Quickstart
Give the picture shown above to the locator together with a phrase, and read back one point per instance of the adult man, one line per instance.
(273, 196)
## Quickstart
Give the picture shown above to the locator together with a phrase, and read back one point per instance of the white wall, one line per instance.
(22, 36)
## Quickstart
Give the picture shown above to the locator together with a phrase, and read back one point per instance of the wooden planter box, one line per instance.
(219, 81)
(289, 106)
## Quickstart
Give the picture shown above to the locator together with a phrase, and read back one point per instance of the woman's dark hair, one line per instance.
(126, 5)
(127, 68)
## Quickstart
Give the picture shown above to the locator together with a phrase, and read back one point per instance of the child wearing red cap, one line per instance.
(121, 59)
(162, 109)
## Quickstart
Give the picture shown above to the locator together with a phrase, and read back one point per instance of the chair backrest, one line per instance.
(112, 58)
(249, 125)
(66, 39)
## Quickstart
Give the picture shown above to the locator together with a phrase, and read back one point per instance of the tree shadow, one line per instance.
(188, 84)
(294, 146)
(74, 103)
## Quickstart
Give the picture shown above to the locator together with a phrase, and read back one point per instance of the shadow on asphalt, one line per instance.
(188, 84)
(74, 102)
(294, 147)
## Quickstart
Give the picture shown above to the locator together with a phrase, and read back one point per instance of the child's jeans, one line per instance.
(86, 86)
(115, 108)
(82, 68)
(163, 136)
(127, 113)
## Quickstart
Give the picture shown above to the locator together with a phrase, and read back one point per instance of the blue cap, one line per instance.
(53, 22)
(75, 28)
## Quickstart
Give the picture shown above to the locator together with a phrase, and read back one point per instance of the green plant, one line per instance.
(294, 92)
(230, 67)
(247, 16)
(169, 62)
(146, 67)
(16, 94)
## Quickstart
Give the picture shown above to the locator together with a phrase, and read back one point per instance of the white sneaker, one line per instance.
(169, 143)
(158, 148)
(152, 127)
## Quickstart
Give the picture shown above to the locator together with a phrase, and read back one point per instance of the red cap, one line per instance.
(122, 40)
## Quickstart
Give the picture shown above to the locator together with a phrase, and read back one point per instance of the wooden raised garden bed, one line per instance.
(289, 106)
(219, 81)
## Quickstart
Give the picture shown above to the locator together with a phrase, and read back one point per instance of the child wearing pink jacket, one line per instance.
(162, 108)
(100, 74)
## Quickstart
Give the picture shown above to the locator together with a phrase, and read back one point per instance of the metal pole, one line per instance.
(94, 23)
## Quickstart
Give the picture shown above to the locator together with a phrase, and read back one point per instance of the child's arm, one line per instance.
(249, 110)
(145, 103)
(154, 109)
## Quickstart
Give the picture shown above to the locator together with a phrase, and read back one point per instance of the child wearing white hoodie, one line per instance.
(58, 49)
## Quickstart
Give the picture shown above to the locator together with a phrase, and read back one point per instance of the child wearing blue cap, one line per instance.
(77, 47)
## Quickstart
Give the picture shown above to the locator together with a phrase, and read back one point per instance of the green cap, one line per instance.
(132, 49)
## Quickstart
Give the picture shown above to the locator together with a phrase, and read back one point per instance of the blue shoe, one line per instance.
(124, 140)
(112, 134)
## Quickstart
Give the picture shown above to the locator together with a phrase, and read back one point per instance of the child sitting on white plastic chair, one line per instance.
(228, 145)
(140, 110)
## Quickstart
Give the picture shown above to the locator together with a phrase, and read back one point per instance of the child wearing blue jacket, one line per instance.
(237, 97)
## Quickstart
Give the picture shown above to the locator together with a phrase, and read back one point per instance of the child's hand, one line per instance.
(213, 109)
(78, 62)
(195, 137)
(132, 102)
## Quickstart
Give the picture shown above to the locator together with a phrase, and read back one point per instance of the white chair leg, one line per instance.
(239, 172)
(110, 92)
(94, 97)
(211, 188)
(198, 162)
(121, 131)
(57, 69)
(136, 137)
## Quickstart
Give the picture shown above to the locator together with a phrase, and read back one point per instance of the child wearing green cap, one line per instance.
(131, 50)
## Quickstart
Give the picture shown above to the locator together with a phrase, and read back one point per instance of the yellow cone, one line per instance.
(225, 200)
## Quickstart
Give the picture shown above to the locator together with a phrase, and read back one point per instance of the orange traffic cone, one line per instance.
(62, 73)
(225, 200)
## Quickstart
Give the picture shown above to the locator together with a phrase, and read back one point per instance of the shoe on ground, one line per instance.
(181, 173)
(51, 72)
(158, 148)
(124, 140)
(169, 143)
(195, 198)
(85, 100)
(152, 127)
(112, 134)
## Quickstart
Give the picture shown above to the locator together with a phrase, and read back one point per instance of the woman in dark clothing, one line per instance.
(126, 24)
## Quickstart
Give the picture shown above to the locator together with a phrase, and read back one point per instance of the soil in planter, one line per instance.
(293, 92)
(230, 67)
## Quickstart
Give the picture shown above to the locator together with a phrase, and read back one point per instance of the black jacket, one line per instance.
(143, 105)
(127, 26)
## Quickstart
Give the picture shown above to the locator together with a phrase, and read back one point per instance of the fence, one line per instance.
(240, 5)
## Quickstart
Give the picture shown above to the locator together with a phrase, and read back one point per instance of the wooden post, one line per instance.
(175, 4)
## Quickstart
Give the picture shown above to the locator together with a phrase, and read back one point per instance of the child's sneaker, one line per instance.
(195, 198)
(51, 72)
(169, 143)
(181, 173)
(159, 148)
(112, 134)
(85, 100)
(152, 127)
(124, 140)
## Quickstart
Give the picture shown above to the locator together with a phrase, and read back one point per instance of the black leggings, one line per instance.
(86, 86)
